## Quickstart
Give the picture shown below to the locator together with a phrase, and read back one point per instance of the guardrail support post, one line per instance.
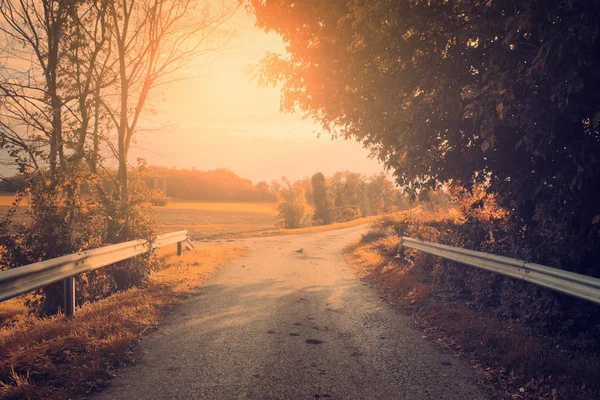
(69, 294)
(179, 248)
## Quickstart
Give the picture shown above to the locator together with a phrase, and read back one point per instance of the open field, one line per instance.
(204, 220)
(215, 220)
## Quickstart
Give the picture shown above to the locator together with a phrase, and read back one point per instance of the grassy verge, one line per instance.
(516, 361)
(54, 358)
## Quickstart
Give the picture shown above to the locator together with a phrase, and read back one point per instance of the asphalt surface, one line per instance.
(291, 321)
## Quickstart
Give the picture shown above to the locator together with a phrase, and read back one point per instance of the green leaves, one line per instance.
(500, 92)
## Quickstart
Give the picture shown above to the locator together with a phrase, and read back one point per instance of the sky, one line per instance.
(217, 117)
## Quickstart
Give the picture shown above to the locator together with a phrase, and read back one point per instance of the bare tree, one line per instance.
(55, 65)
(152, 40)
(29, 84)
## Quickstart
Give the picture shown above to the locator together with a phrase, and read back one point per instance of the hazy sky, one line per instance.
(219, 118)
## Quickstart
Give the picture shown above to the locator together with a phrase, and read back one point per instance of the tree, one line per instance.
(263, 191)
(503, 94)
(322, 200)
(292, 205)
(382, 193)
(151, 40)
(65, 64)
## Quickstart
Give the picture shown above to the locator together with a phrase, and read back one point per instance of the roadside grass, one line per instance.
(55, 358)
(514, 360)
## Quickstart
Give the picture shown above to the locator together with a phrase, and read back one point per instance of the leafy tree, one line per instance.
(381, 194)
(292, 205)
(322, 199)
(150, 41)
(263, 191)
(503, 94)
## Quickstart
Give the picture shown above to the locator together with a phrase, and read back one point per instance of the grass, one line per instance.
(214, 220)
(515, 361)
(6, 199)
(261, 208)
(54, 358)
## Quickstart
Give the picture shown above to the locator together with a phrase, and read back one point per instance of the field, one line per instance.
(203, 220)
(214, 220)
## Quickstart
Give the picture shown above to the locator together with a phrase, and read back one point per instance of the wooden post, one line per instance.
(69, 294)
(179, 248)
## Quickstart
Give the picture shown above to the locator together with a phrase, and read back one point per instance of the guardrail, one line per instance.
(581, 286)
(16, 281)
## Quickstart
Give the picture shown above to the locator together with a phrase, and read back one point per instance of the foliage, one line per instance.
(292, 205)
(214, 185)
(381, 194)
(63, 61)
(322, 199)
(375, 234)
(160, 201)
(503, 94)
(346, 196)
(424, 196)
(63, 219)
(515, 360)
(12, 184)
(482, 225)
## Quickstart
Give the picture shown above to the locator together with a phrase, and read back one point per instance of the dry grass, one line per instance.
(211, 224)
(54, 358)
(6, 199)
(203, 220)
(263, 208)
(514, 360)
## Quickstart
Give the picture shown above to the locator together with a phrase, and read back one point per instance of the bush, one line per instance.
(376, 234)
(62, 220)
(484, 226)
(160, 201)
(292, 206)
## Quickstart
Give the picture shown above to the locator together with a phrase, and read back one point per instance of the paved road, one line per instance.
(291, 321)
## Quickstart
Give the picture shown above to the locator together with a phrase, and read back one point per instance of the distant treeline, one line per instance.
(342, 197)
(213, 185)
(190, 184)
(12, 184)
(348, 194)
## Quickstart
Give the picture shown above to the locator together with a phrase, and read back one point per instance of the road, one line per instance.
(291, 321)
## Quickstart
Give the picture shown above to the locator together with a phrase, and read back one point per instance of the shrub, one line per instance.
(292, 206)
(376, 234)
(160, 201)
(61, 220)
(484, 226)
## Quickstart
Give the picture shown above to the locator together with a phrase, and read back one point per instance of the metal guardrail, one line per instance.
(581, 286)
(16, 281)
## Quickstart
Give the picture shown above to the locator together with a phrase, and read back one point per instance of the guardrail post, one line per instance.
(69, 294)
(179, 248)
